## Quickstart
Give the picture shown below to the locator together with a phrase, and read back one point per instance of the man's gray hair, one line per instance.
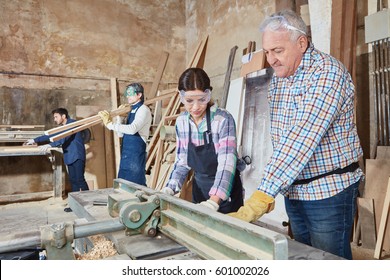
(285, 20)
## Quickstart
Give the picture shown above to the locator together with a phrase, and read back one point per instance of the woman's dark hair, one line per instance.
(194, 78)
(61, 111)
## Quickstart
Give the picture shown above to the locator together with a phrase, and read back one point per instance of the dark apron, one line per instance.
(204, 161)
(133, 156)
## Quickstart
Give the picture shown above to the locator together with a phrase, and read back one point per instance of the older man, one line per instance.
(316, 148)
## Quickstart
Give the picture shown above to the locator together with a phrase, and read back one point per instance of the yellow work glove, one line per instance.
(256, 206)
(123, 106)
(105, 116)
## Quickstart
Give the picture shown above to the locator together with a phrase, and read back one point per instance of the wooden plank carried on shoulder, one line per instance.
(89, 120)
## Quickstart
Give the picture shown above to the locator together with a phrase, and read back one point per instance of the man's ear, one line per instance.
(303, 43)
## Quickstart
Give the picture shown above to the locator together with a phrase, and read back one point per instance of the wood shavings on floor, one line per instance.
(102, 248)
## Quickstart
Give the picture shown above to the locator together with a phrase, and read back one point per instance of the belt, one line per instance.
(350, 168)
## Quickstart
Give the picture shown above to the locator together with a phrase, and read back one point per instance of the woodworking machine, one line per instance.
(140, 210)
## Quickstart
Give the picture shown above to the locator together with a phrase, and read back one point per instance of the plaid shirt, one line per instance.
(312, 129)
(223, 131)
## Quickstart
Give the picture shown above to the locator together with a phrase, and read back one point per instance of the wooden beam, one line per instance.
(162, 96)
(200, 55)
(382, 226)
(20, 126)
(367, 222)
(172, 117)
(117, 145)
(349, 35)
(74, 130)
(113, 113)
(71, 125)
(157, 163)
(337, 29)
(156, 135)
(226, 84)
(161, 66)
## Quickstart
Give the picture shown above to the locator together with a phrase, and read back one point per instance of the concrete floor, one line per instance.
(26, 217)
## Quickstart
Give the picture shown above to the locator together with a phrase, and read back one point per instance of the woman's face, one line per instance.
(195, 102)
(134, 98)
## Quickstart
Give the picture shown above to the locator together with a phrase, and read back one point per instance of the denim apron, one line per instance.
(204, 161)
(133, 155)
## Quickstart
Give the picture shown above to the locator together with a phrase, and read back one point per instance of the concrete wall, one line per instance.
(228, 23)
(63, 53)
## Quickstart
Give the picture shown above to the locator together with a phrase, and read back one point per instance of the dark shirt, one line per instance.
(72, 145)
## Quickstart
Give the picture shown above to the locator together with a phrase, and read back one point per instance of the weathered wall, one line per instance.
(63, 53)
(228, 23)
(99, 38)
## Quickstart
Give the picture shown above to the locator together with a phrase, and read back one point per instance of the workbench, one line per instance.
(90, 205)
(54, 155)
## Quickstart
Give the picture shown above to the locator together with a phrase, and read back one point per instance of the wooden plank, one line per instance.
(164, 95)
(11, 126)
(367, 222)
(226, 84)
(24, 150)
(71, 125)
(198, 47)
(235, 104)
(161, 66)
(382, 226)
(172, 117)
(157, 164)
(284, 5)
(199, 57)
(337, 29)
(165, 169)
(59, 186)
(377, 175)
(349, 21)
(75, 130)
(117, 145)
(157, 111)
(151, 147)
(113, 113)
(21, 132)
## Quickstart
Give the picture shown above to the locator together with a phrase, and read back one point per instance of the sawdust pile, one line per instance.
(102, 248)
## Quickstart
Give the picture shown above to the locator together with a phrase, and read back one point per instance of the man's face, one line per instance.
(283, 55)
(59, 119)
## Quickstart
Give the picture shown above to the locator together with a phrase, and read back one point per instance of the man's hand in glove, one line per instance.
(44, 148)
(256, 206)
(168, 191)
(29, 142)
(210, 204)
(105, 116)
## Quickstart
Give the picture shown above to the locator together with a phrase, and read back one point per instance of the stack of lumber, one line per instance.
(19, 133)
(162, 150)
